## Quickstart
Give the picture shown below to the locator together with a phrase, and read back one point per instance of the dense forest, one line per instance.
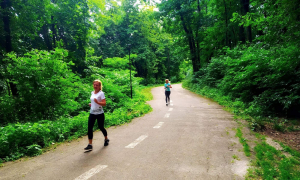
(245, 54)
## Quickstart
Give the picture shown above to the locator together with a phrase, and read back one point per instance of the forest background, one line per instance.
(244, 54)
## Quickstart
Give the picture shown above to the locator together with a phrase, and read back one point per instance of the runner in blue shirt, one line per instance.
(167, 91)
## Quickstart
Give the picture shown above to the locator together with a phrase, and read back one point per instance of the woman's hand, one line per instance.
(90, 104)
(96, 101)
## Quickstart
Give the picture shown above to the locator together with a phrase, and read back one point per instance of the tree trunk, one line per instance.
(7, 88)
(53, 28)
(169, 63)
(197, 46)
(246, 10)
(226, 25)
(53, 32)
(242, 29)
(234, 39)
(192, 46)
(46, 37)
(5, 5)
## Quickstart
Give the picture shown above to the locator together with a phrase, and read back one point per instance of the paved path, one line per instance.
(190, 139)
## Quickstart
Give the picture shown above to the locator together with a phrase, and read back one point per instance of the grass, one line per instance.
(273, 164)
(243, 141)
(236, 157)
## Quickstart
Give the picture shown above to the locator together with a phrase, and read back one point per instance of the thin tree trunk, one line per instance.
(5, 5)
(242, 29)
(234, 37)
(7, 88)
(46, 37)
(197, 35)
(169, 62)
(226, 25)
(198, 6)
(53, 32)
(246, 10)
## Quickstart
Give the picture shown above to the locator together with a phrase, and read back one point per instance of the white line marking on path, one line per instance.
(137, 141)
(167, 115)
(172, 104)
(171, 101)
(91, 172)
(158, 125)
(170, 109)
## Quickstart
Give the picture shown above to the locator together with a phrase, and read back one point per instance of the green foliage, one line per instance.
(116, 62)
(266, 78)
(34, 150)
(45, 86)
(256, 82)
(28, 138)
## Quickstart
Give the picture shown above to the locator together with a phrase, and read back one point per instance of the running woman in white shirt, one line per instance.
(96, 112)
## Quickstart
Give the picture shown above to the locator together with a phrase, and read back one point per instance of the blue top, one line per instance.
(167, 88)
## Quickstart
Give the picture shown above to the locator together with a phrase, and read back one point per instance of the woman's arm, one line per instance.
(101, 103)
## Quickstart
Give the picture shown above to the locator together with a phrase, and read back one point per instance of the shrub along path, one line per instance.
(192, 138)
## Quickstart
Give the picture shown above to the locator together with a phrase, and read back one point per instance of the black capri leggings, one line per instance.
(167, 95)
(100, 119)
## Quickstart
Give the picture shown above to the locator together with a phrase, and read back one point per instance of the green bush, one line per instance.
(261, 82)
(45, 84)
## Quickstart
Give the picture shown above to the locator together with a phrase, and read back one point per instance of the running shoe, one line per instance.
(166, 104)
(89, 147)
(106, 141)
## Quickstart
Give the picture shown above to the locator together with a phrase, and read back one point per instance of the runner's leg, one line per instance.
(168, 96)
(92, 119)
(91, 123)
(100, 120)
(166, 93)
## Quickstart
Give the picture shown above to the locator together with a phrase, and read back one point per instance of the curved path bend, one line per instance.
(192, 138)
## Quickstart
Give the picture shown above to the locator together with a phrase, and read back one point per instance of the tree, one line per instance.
(181, 15)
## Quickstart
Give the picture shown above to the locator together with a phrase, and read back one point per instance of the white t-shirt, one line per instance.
(96, 108)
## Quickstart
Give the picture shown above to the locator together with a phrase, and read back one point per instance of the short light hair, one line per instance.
(167, 80)
(100, 83)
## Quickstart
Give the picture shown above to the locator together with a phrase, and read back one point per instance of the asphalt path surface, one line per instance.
(192, 138)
